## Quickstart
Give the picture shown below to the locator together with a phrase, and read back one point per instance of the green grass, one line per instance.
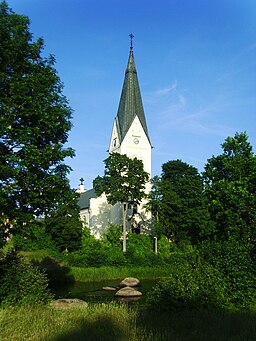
(116, 322)
(110, 272)
(197, 326)
(60, 271)
(98, 322)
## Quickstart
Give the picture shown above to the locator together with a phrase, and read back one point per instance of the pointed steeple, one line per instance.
(130, 104)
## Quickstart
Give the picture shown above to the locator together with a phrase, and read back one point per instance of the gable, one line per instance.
(84, 199)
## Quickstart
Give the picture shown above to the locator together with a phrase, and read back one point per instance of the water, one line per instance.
(92, 292)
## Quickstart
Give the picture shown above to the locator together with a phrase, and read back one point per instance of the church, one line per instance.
(129, 136)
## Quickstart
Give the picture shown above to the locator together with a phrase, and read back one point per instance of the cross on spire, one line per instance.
(131, 36)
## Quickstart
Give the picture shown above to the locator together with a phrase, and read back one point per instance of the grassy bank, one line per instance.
(116, 322)
(110, 272)
(98, 322)
(61, 271)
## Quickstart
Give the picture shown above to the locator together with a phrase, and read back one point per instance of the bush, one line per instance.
(233, 260)
(21, 283)
(140, 249)
(194, 285)
(33, 237)
(98, 252)
(114, 234)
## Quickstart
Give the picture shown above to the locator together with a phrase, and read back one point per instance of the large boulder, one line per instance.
(128, 292)
(130, 282)
(68, 303)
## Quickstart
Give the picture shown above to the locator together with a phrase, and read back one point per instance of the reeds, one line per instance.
(110, 272)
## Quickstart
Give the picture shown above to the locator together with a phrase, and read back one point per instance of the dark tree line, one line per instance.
(218, 204)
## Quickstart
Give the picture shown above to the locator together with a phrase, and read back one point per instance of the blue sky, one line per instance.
(196, 63)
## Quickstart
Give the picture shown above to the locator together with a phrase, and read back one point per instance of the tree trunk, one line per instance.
(124, 210)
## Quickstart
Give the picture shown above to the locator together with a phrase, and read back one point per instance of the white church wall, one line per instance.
(136, 144)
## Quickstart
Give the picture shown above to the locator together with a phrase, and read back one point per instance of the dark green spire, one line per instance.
(130, 103)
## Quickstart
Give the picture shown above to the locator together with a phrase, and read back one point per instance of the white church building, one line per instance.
(129, 136)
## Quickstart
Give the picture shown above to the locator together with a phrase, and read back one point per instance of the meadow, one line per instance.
(117, 322)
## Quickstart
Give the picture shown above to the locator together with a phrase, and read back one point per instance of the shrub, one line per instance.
(194, 285)
(34, 237)
(97, 252)
(140, 249)
(21, 283)
(114, 234)
(234, 261)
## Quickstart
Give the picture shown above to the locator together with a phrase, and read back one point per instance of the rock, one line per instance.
(130, 282)
(128, 292)
(68, 303)
(128, 299)
(109, 288)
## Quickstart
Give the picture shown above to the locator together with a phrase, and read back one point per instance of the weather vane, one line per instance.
(131, 36)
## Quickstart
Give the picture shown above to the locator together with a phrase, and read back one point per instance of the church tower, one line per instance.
(130, 134)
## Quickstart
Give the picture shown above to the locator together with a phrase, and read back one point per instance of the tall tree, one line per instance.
(230, 184)
(179, 204)
(124, 181)
(64, 224)
(35, 119)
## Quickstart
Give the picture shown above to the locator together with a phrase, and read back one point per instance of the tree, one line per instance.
(230, 185)
(124, 181)
(178, 203)
(64, 224)
(35, 119)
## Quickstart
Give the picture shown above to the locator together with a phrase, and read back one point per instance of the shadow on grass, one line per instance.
(103, 328)
(197, 325)
(56, 272)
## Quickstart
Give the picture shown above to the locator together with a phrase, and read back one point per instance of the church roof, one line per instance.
(130, 103)
(84, 199)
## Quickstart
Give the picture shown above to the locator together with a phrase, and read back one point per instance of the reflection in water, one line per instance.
(128, 299)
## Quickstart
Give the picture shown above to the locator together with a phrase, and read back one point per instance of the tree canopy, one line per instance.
(230, 185)
(124, 181)
(35, 119)
(178, 203)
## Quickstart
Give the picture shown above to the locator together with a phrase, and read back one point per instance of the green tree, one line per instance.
(230, 185)
(124, 181)
(35, 119)
(178, 203)
(64, 224)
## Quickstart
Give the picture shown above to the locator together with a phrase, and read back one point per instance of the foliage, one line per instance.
(194, 285)
(232, 259)
(123, 181)
(64, 224)
(113, 234)
(21, 283)
(230, 185)
(140, 249)
(34, 123)
(178, 203)
(34, 237)
(107, 251)
(96, 252)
